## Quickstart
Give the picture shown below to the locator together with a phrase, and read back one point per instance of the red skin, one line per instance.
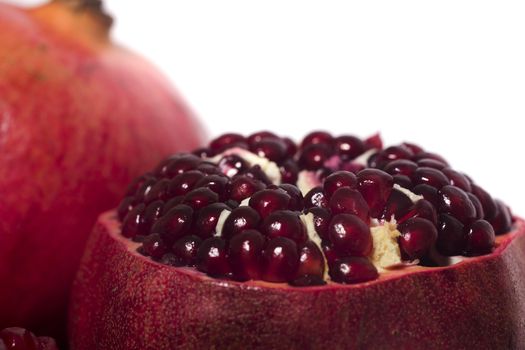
(122, 300)
(79, 118)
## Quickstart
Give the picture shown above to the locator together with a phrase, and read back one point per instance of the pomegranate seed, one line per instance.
(417, 237)
(428, 155)
(403, 181)
(451, 238)
(349, 201)
(337, 180)
(350, 235)
(261, 135)
(272, 149)
(284, 223)
(375, 185)
(212, 257)
(454, 201)
(313, 156)
(322, 219)
(137, 183)
(291, 147)
(207, 218)
(204, 152)
(431, 177)
(159, 191)
(431, 163)
(307, 281)
(125, 207)
(349, 147)
(352, 270)
(200, 197)
(15, 338)
(151, 214)
(232, 165)
(240, 219)
(412, 147)
(256, 173)
(268, 201)
(329, 251)
(397, 205)
(428, 192)
(180, 165)
(457, 179)
(216, 183)
(289, 171)
(374, 142)
(489, 205)
(502, 222)
(132, 221)
(144, 189)
(480, 214)
(393, 153)
(317, 137)
(174, 224)
(185, 250)
(154, 246)
(245, 253)
(402, 167)
(172, 203)
(242, 187)
(315, 198)
(280, 260)
(184, 183)
(311, 260)
(480, 238)
(296, 197)
(421, 209)
(225, 141)
(208, 168)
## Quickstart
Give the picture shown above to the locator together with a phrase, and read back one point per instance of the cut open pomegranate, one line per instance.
(244, 257)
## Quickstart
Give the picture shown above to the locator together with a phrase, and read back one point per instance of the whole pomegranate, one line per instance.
(333, 243)
(79, 118)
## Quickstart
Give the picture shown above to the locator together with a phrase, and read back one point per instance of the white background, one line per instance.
(449, 75)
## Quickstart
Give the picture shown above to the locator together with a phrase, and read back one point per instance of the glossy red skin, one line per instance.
(122, 300)
(79, 118)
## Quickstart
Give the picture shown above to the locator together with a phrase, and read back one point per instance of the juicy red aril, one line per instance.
(321, 220)
(348, 147)
(144, 189)
(296, 197)
(375, 185)
(204, 152)
(337, 180)
(289, 171)
(317, 137)
(273, 149)
(216, 183)
(417, 237)
(502, 222)
(15, 338)
(284, 223)
(174, 224)
(212, 257)
(403, 181)
(428, 155)
(329, 251)
(172, 203)
(397, 205)
(184, 183)
(245, 253)
(489, 205)
(125, 207)
(240, 219)
(457, 179)
(392, 153)
(431, 163)
(207, 218)
(137, 183)
(268, 201)
(480, 238)
(180, 165)
(348, 201)
(431, 177)
(132, 221)
(151, 214)
(421, 209)
(200, 197)
(480, 214)
(159, 191)
(415, 149)
(154, 246)
(350, 235)
(313, 156)
(208, 168)
(428, 192)
(185, 250)
(454, 201)
(242, 187)
(402, 167)
(451, 237)
(280, 260)
(315, 198)
(261, 135)
(374, 141)
(291, 147)
(352, 270)
(232, 165)
(311, 260)
(255, 172)
(225, 141)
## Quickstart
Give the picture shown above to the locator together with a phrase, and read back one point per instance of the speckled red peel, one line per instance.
(122, 300)
(79, 117)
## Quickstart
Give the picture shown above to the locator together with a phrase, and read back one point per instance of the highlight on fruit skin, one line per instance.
(256, 224)
(16, 338)
(79, 118)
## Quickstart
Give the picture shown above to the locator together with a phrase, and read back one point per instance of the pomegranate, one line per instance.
(364, 262)
(15, 338)
(79, 118)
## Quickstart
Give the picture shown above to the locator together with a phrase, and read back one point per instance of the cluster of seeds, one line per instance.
(232, 217)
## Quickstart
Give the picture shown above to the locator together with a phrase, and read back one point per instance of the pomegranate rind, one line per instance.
(122, 300)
